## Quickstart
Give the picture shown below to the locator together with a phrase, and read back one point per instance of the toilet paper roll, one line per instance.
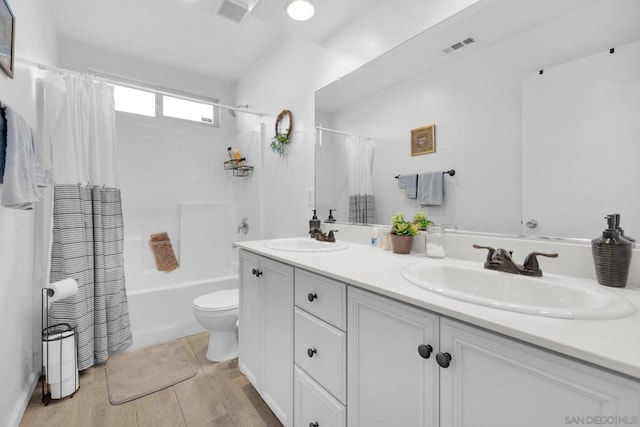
(62, 289)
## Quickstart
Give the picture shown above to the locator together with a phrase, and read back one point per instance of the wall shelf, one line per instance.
(238, 168)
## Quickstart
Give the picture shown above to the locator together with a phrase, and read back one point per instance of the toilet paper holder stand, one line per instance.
(56, 337)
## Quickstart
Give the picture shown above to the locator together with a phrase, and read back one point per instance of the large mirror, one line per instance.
(534, 112)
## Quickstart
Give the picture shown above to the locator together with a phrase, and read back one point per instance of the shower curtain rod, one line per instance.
(137, 86)
(340, 132)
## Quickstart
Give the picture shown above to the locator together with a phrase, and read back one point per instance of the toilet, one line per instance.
(218, 313)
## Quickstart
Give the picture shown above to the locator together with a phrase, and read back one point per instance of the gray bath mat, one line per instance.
(133, 375)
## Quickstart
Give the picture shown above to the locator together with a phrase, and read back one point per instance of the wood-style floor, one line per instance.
(219, 395)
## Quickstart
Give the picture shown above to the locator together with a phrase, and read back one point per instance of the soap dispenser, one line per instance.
(314, 222)
(612, 255)
(331, 218)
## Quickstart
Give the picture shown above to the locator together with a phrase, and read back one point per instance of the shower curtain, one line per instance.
(360, 153)
(87, 237)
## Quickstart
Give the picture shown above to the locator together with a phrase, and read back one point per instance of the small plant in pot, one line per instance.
(421, 221)
(402, 232)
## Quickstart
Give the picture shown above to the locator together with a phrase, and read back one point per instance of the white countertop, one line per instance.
(612, 344)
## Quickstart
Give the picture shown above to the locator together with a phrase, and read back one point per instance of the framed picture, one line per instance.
(7, 37)
(423, 140)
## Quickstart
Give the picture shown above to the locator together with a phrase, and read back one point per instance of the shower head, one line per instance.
(233, 112)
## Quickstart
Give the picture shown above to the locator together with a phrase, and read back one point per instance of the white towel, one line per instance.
(24, 174)
(430, 189)
(410, 185)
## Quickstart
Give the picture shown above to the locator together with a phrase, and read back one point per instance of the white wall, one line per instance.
(20, 279)
(286, 78)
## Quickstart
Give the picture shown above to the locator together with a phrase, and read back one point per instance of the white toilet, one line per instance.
(218, 312)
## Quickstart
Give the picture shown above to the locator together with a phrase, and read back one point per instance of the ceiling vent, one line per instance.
(459, 45)
(234, 10)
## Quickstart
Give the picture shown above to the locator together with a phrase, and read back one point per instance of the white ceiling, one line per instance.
(189, 34)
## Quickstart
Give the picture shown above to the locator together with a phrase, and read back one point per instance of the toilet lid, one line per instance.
(219, 300)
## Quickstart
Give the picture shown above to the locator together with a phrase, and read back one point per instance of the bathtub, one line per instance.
(163, 314)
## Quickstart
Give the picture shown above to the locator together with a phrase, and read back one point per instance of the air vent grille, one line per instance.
(459, 45)
(233, 10)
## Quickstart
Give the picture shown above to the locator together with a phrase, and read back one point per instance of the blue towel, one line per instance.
(24, 174)
(410, 185)
(3, 143)
(430, 189)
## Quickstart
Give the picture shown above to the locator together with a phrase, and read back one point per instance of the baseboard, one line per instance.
(23, 401)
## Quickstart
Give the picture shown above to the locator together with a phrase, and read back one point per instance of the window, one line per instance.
(180, 108)
(134, 101)
(155, 104)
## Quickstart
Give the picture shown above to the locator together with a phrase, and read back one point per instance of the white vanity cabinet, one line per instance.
(472, 377)
(325, 353)
(266, 331)
(389, 382)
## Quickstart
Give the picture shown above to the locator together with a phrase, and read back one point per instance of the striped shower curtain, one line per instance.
(87, 238)
(88, 246)
(362, 208)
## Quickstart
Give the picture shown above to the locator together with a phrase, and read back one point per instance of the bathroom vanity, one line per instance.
(340, 338)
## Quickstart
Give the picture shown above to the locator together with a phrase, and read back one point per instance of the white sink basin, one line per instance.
(304, 244)
(550, 296)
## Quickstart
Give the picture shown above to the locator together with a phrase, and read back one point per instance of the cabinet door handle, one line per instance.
(256, 272)
(443, 359)
(314, 424)
(311, 352)
(425, 350)
(311, 297)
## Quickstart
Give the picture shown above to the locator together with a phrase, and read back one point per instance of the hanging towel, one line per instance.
(410, 185)
(3, 143)
(24, 173)
(430, 189)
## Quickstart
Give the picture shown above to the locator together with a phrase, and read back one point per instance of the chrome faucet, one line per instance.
(316, 233)
(500, 260)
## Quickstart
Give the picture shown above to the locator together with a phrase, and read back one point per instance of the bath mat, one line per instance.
(163, 251)
(136, 374)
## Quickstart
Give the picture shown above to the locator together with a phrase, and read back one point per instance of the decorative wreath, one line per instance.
(281, 140)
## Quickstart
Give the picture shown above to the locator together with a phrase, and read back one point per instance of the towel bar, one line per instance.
(450, 172)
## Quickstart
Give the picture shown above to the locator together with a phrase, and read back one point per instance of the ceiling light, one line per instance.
(300, 10)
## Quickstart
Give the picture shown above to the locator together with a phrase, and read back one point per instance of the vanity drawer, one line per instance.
(322, 297)
(313, 405)
(321, 351)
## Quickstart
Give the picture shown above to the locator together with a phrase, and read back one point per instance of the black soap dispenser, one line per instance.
(612, 255)
(314, 222)
(331, 218)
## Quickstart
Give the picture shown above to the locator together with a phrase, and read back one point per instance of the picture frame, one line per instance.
(7, 38)
(423, 140)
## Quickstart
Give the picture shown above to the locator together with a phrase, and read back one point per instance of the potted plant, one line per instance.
(421, 221)
(402, 232)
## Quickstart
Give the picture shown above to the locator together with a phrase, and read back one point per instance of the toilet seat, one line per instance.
(218, 300)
